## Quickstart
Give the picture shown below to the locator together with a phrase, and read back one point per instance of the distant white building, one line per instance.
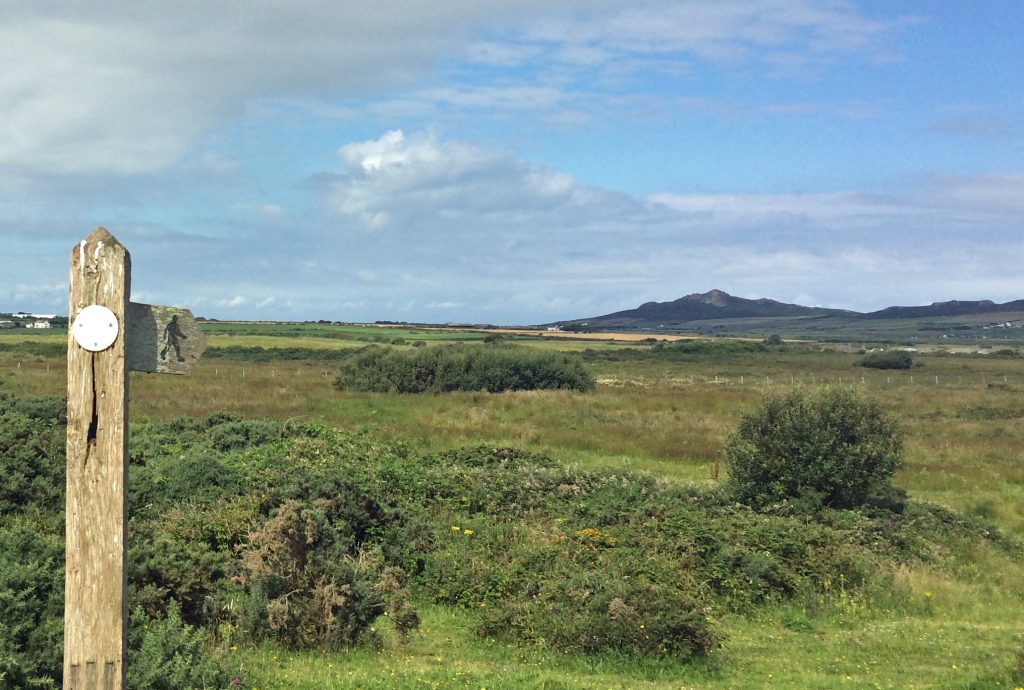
(39, 324)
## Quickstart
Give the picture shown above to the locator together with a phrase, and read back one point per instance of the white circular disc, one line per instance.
(95, 328)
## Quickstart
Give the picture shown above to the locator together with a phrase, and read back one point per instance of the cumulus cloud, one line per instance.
(401, 183)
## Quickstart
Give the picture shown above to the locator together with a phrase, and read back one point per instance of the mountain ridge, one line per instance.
(717, 304)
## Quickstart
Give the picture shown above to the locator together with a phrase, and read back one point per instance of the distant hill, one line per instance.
(719, 313)
(712, 305)
(952, 308)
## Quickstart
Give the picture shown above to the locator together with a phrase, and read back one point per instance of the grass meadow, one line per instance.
(960, 627)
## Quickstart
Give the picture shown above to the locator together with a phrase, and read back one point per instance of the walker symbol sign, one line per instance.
(164, 340)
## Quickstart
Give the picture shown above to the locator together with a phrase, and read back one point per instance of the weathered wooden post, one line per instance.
(108, 337)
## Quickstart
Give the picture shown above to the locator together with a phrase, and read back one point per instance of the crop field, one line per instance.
(956, 622)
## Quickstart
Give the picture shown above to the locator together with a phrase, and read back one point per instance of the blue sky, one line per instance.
(514, 161)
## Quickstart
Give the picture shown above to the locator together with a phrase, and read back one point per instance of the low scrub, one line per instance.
(494, 368)
(310, 537)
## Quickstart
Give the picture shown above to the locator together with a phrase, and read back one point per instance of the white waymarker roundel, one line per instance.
(95, 328)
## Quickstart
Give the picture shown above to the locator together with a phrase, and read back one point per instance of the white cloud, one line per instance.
(477, 220)
(128, 87)
(501, 54)
(842, 211)
(784, 32)
(235, 301)
(403, 183)
(993, 193)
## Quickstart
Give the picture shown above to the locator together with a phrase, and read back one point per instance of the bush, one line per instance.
(461, 368)
(589, 612)
(251, 432)
(899, 359)
(31, 605)
(32, 454)
(169, 654)
(305, 589)
(832, 447)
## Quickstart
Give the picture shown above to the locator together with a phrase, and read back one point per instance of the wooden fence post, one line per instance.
(108, 337)
(95, 610)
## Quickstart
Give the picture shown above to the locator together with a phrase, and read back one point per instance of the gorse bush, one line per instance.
(831, 446)
(899, 359)
(311, 592)
(32, 451)
(587, 611)
(461, 368)
(170, 654)
(31, 603)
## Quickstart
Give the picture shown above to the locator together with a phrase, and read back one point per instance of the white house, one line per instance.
(39, 324)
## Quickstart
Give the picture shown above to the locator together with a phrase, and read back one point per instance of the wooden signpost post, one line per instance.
(108, 337)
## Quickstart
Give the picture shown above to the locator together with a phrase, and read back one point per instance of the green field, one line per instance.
(960, 625)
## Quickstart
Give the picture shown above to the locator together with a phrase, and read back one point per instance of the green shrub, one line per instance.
(168, 654)
(32, 453)
(896, 359)
(588, 611)
(832, 447)
(231, 435)
(31, 604)
(461, 368)
(43, 409)
(165, 567)
(194, 476)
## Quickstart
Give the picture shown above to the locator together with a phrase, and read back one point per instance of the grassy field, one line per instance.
(964, 418)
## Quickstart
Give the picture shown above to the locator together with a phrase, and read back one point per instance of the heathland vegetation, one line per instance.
(285, 534)
(495, 369)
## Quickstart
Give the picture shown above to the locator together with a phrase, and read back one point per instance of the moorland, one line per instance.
(530, 539)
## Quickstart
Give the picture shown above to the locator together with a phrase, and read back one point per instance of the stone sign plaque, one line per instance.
(164, 340)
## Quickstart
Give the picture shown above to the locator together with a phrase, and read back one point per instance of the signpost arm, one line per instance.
(95, 608)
